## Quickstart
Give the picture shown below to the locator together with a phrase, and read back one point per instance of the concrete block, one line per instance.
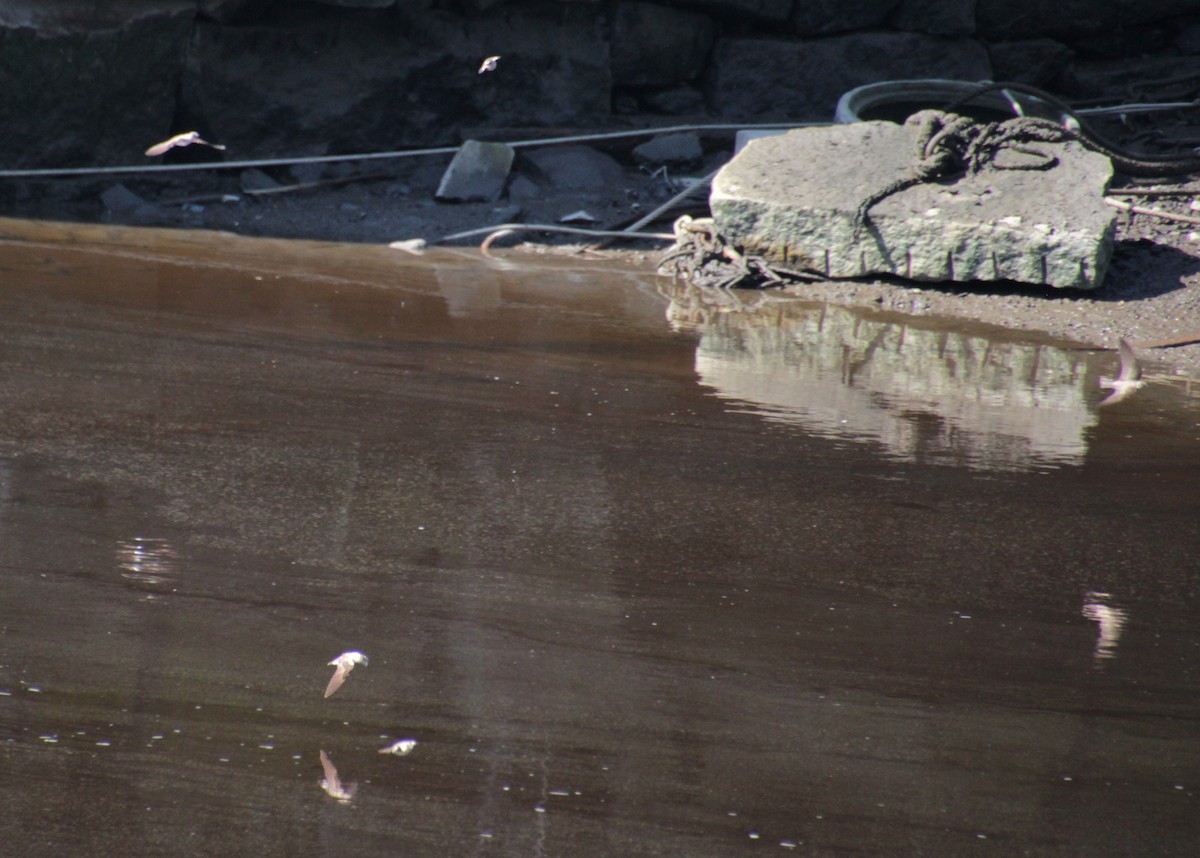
(745, 135)
(478, 171)
(794, 198)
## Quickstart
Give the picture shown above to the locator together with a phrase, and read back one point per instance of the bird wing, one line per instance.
(331, 775)
(1119, 393)
(1131, 370)
(170, 143)
(339, 676)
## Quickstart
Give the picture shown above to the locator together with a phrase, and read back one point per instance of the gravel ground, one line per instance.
(1151, 294)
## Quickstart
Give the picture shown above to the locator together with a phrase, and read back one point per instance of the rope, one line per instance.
(1126, 161)
(949, 144)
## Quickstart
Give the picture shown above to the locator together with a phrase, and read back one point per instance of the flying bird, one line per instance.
(489, 64)
(399, 748)
(1128, 379)
(344, 663)
(332, 784)
(187, 138)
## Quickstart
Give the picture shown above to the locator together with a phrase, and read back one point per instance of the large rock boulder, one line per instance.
(817, 17)
(1066, 19)
(84, 83)
(754, 79)
(774, 10)
(655, 45)
(317, 81)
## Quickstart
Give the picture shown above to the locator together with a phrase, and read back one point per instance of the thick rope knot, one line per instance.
(952, 145)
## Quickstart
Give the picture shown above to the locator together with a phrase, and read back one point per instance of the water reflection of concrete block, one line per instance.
(463, 297)
(922, 394)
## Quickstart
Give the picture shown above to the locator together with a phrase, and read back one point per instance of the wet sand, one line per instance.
(641, 570)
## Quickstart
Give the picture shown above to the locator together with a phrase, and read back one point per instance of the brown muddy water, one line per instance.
(640, 570)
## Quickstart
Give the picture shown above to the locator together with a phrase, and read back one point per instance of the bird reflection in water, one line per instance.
(332, 784)
(1110, 621)
(1129, 377)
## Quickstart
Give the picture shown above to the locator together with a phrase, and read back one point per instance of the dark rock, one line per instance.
(73, 90)
(256, 180)
(477, 172)
(523, 189)
(674, 101)
(359, 4)
(818, 17)
(307, 172)
(1068, 19)
(317, 81)
(1187, 40)
(625, 104)
(1126, 41)
(755, 79)
(774, 10)
(656, 45)
(682, 148)
(229, 11)
(1121, 78)
(1034, 61)
(573, 167)
(119, 199)
(937, 17)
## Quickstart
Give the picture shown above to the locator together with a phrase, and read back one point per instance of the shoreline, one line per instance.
(1151, 293)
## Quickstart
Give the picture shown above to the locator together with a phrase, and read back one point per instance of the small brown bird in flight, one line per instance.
(489, 64)
(344, 663)
(187, 138)
(399, 748)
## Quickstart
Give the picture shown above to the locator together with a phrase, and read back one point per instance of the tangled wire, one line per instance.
(704, 256)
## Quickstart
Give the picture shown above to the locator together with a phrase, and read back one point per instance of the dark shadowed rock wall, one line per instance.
(94, 82)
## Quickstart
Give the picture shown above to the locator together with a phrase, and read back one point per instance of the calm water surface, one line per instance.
(641, 570)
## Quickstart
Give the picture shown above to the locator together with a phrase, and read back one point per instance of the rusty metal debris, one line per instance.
(703, 256)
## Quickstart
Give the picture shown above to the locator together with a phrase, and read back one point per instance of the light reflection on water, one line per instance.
(147, 562)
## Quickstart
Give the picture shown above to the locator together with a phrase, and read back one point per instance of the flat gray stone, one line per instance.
(681, 148)
(793, 198)
(573, 168)
(478, 171)
(120, 199)
(254, 179)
